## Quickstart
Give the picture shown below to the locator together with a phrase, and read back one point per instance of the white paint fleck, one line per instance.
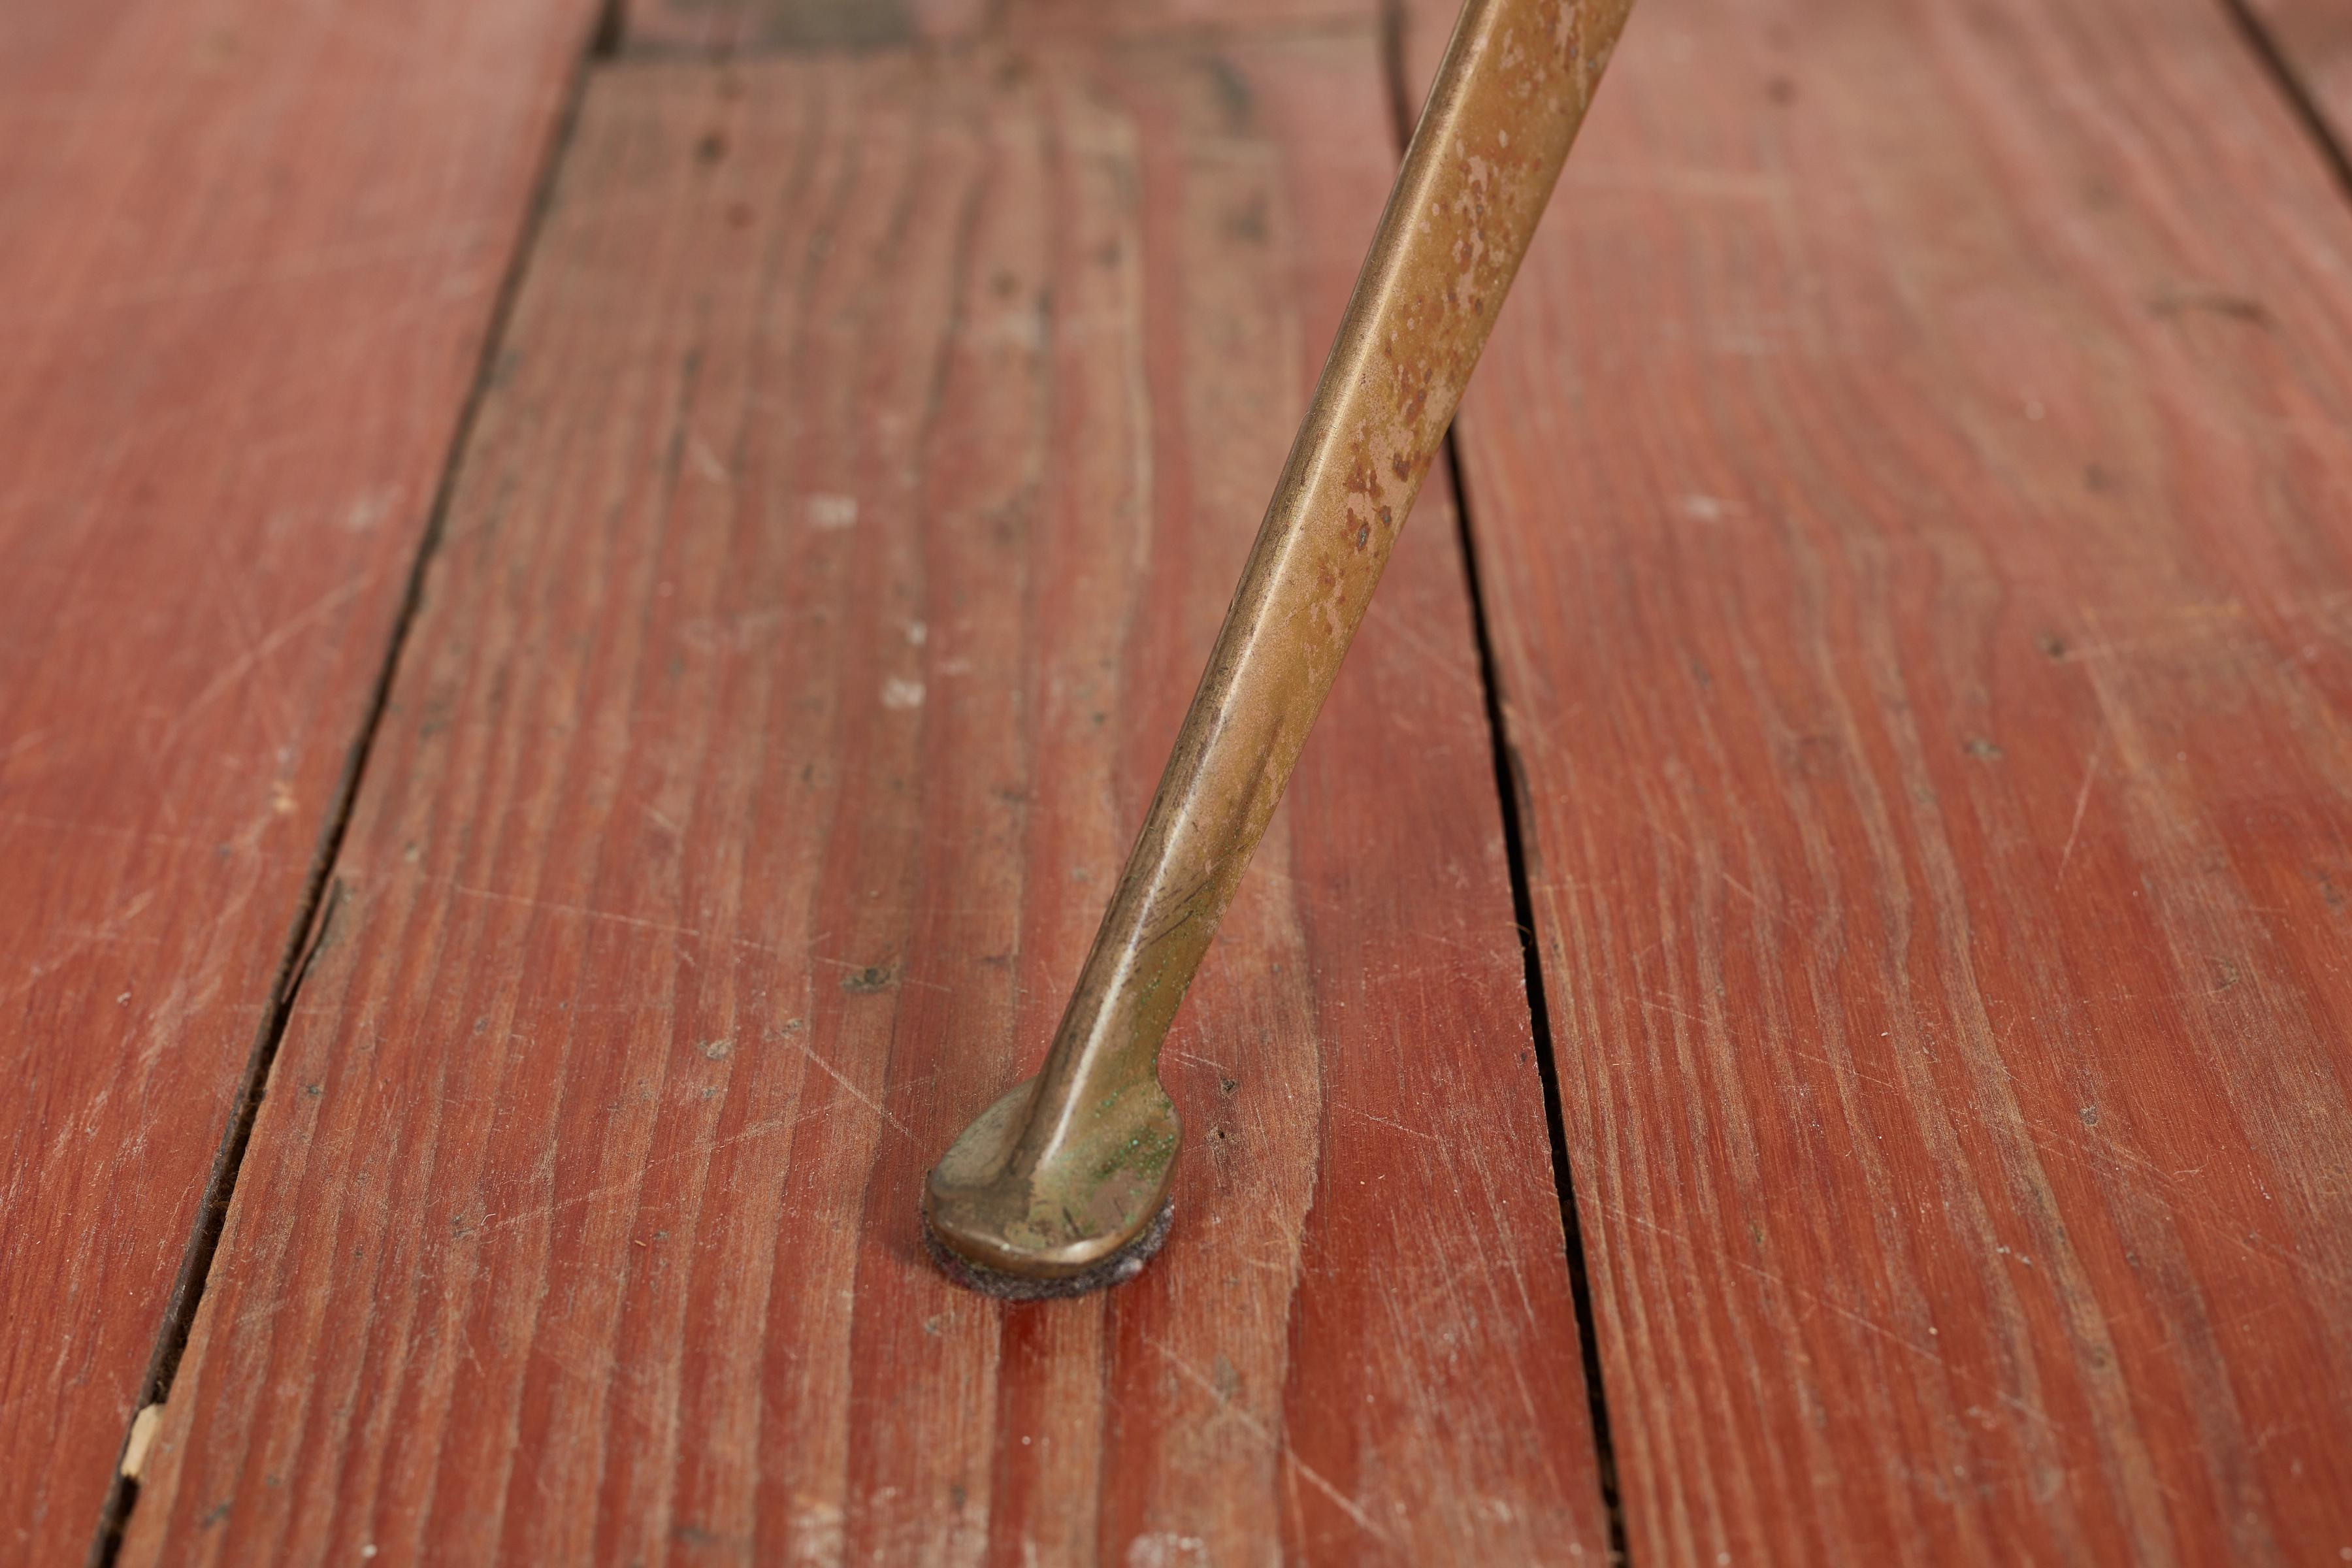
(708, 461)
(900, 695)
(918, 634)
(831, 513)
(370, 508)
(1702, 508)
(1023, 330)
(819, 1535)
(1165, 1549)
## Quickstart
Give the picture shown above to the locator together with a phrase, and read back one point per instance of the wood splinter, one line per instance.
(1062, 1185)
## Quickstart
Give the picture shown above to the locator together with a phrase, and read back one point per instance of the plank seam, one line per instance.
(1510, 787)
(997, 32)
(2291, 85)
(321, 891)
(610, 34)
(1516, 808)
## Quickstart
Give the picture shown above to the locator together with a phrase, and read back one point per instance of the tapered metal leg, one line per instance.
(1066, 1178)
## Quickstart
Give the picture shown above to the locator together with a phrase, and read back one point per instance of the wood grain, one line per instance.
(877, 444)
(1909, 489)
(730, 26)
(248, 254)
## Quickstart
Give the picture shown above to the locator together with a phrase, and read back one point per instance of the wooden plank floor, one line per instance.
(864, 475)
(1910, 494)
(248, 254)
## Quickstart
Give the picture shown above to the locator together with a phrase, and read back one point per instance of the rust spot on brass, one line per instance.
(1063, 1183)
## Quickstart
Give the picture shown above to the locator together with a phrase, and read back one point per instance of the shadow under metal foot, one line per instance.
(1116, 1269)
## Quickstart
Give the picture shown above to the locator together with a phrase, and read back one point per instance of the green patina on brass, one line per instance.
(1065, 1170)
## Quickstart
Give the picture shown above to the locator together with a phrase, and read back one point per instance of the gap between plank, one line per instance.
(996, 31)
(1510, 789)
(320, 893)
(2292, 87)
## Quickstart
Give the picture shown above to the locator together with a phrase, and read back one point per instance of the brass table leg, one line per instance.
(1062, 1185)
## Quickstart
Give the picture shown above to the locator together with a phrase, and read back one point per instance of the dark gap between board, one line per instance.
(1510, 791)
(995, 30)
(320, 893)
(2292, 87)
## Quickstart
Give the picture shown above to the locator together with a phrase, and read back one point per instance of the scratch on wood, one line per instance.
(1274, 1443)
(2081, 801)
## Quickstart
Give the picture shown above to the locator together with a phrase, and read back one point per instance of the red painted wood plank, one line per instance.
(247, 251)
(1909, 486)
(879, 444)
